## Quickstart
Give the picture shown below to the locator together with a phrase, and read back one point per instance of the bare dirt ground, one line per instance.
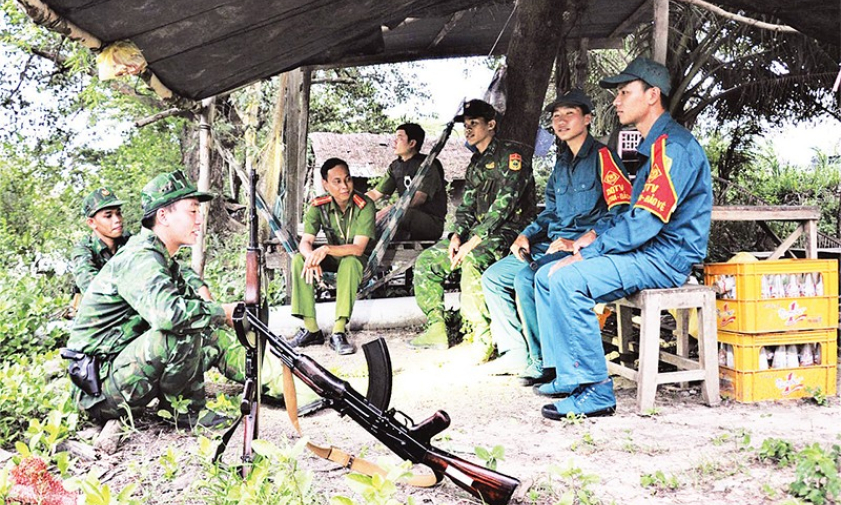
(707, 454)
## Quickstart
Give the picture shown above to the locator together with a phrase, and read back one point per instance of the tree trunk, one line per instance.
(531, 54)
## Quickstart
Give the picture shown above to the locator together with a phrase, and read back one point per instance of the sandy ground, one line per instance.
(707, 454)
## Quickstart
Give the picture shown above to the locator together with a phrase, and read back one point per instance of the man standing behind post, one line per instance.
(587, 185)
(424, 220)
(652, 245)
(498, 202)
(348, 221)
(151, 333)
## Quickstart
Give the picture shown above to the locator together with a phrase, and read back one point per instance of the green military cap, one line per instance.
(102, 198)
(644, 69)
(166, 189)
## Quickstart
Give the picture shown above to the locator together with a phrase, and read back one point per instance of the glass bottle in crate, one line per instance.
(792, 360)
(779, 357)
(731, 358)
(818, 354)
(808, 285)
(777, 289)
(807, 355)
(763, 359)
(722, 354)
(765, 287)
(792, 287)
(819, 285)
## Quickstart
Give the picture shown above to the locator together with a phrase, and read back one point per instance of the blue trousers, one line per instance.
(508, 285)
(569, 328)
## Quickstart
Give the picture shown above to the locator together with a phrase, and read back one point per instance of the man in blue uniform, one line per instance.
(585, 187)
(652, 245)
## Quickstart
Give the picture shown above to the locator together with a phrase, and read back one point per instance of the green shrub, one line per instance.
(30, 306)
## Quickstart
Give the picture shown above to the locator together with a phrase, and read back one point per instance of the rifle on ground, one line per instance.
(403, 436)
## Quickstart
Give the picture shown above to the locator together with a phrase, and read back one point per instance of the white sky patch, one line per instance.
(797, 144)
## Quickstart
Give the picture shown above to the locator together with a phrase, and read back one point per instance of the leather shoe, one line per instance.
(304, 337)
(339, 343)
(547, 375)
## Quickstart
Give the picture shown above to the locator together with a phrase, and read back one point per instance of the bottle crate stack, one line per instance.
(777, 328)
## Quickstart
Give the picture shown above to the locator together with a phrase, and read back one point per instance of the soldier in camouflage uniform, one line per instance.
(103, 214)
(151, 332)
(498, 202)
(348, 221)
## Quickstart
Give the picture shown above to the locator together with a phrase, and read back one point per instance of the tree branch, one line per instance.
(741, 19)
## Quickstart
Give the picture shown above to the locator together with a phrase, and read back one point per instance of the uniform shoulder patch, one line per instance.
(359, 201)
(515, 161)
(616, 187)
(658, 195)
(321, 200)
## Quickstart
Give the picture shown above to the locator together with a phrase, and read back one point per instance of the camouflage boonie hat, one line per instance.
(166, 189)
(102, 198)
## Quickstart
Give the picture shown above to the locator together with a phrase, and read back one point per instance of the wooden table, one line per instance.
(806, 216)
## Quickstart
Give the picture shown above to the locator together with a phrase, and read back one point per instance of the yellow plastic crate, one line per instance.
(778, 384)
(749, 312)
(746, 346)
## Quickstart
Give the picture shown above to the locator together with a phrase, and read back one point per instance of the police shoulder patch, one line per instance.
(515, 161)
(616, 187)
(321, 200)
(359, 201)
(658, 195)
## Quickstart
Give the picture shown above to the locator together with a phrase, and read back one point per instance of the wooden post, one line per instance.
(297, 117)
(583, 63)
(661, 30)
(205, 120)
(531, 53)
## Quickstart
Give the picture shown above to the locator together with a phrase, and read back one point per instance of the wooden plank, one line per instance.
(765, 213)
(661, 30)
(788, 242)
(680, 376)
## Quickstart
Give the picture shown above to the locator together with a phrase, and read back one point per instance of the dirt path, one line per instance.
(707, 454)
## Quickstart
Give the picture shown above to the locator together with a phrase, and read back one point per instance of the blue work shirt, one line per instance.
(575, 199)
(671, 225)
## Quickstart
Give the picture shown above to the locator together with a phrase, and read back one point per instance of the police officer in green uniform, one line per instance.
(499, 200)
(348, 221)
(424, 219)
(141, 331)
(103, 215)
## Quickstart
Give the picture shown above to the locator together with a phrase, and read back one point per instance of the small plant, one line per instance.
(97, 493)
(651, 412)
(490, 458)
(778, 451)
(178, 405)
(659, 481)
(586, 441)
(377, 489)
(818, 396)
(573, 419)
(817, 475)
(169, 462)
(576, 485)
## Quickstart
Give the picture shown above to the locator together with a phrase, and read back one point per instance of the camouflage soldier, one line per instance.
(424, 220)
(498, 202)
(348, 221)
(141, 328)
(103, 215)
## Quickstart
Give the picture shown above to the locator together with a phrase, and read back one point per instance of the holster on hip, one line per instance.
(83, 371)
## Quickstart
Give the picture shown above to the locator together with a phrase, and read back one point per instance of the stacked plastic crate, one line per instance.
(777, 328)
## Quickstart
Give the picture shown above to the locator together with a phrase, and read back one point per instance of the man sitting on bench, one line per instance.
(652, 245)
(424, 219)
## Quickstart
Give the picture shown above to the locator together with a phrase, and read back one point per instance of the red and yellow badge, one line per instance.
(321, 200)
(515, 162)
(615, 186)
(659, 196)
(359, 201)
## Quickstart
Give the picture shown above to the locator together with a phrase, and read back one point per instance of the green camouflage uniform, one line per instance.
(149, 328)
(499, 200)
(359, 218)
(90, 254)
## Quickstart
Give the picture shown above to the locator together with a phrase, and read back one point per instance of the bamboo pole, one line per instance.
(205, 142)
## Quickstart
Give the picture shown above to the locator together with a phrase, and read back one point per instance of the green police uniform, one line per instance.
(150, 330)
(359, 218)
(499, 200)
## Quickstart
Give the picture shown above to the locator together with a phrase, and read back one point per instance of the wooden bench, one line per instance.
(651, 303)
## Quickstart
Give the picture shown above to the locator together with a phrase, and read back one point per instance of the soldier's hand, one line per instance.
(311, 274)
(583, 241)
(560, 244)
(521, 242)
(464, 250)
(229, 313)
(383, 213)
(455, 244)
(316, 257)
(569, 260)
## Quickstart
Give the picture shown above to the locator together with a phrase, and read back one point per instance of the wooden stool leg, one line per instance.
(625, 328)
(681, 333)
(649, 352)
(707, 350)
